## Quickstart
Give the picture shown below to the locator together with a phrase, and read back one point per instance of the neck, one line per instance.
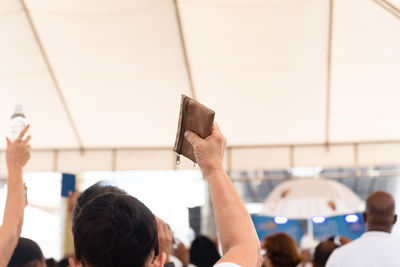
(379, 229)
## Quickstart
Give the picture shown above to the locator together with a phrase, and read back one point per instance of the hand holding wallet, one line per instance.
(196, 118)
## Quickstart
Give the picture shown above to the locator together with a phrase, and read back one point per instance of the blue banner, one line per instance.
(351, 226)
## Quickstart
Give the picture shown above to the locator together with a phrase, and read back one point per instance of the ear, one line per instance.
(395, 219)
(364, 217)
(160, 260)
(74, 262)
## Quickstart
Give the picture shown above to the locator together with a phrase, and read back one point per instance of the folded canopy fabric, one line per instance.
(100, 80)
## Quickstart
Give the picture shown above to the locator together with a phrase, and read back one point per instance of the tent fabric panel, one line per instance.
(365, 72)
(144, 160)
(113, 71)
(10, 7)
(332, 156)
(260, 159)
(41, 161)
(247, 50)
(24, 80)
(77, 162)
(382, 154)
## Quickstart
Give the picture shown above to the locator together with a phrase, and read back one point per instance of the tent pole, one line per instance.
(184, 50)
(52, 74)
(389, 7)
(328, 76)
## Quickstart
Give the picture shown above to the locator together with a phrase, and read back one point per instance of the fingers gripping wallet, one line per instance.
(195, 117)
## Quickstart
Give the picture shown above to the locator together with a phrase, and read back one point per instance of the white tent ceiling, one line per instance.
(100, 80)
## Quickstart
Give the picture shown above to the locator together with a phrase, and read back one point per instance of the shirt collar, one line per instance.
(375, 233)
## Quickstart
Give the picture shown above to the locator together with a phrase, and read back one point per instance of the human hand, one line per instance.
(72, 198)
(209, 152)
(182, 253)
(165, 239)
(18, 152)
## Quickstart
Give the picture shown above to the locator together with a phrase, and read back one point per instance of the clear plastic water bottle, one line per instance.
(17, 123)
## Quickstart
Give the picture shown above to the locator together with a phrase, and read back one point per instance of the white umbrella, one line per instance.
(306, 198)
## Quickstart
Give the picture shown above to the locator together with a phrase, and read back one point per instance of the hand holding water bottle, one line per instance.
(18, 152)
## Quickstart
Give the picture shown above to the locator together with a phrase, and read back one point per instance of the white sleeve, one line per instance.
(227, 264)
(333, 260)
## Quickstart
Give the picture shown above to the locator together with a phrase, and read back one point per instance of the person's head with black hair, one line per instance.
(323, 251)
(115, 229)
(203, 252)
(63, 263)
(51, 262)
(27, 254)
(92, 192)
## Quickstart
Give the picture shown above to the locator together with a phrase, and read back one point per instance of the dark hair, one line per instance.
(115, 230)
(282, 250)
(323, 251)
(26, 254)
(203, 252)
(63, 263)
(92, 192)
(51, 262)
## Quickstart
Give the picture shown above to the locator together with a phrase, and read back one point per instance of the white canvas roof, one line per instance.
(100, 80)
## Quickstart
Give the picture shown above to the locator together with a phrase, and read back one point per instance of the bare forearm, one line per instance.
(234, 222)
(239, 240)
(15, 202)
(13, 215)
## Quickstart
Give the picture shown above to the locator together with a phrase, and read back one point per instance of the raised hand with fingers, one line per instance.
(18, 151)
(165, 238)
(17, 155)
(209, 152)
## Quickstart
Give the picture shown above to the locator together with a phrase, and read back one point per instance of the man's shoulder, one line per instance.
(370, 243)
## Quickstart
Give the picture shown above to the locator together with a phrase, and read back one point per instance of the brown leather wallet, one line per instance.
(195, 117)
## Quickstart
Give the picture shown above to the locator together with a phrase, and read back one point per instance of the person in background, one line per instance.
(325, 249)
(281, 251)
(165, 239)
(27, 254)
(51, 262)
(77, 201)
(118, 230)
(203, 252)
(180, 255)
(377, 246)
(17, 155)
(63, 263)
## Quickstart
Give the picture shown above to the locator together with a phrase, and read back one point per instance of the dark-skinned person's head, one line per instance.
(114, 229)
(379, 212)
(203, 252)
(27, 254)
(281, 251)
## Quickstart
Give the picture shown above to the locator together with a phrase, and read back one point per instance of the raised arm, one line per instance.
(238, 236)
(17, 155)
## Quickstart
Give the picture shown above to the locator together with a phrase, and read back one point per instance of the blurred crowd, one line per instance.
(112, 228)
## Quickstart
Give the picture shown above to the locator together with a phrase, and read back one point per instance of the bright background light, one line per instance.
(280, 220)
(351, 218)
(318, 219)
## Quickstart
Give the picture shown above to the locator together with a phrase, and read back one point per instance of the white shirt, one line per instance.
(372, 249)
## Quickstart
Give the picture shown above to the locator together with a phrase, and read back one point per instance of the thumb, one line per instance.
(8, 142)
(192, 137)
